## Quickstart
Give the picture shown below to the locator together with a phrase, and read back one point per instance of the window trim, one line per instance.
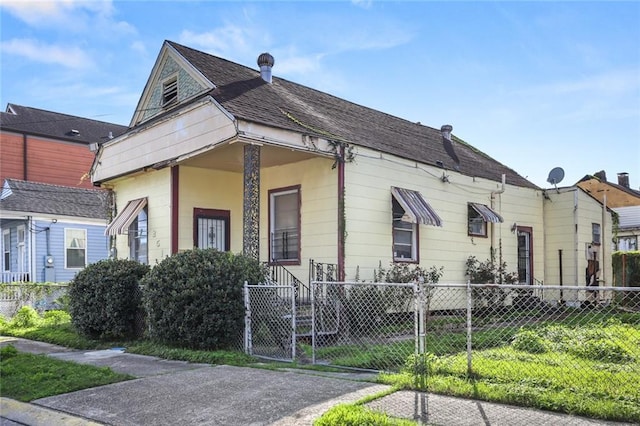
(484, 233)
(66, 248)
(202, 213)
(6, 250)
(272, 194)
(594, 226)
(415, 235)
(130, 241)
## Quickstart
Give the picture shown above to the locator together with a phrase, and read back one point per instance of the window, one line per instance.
(138, 233)
(75, 242)
(169, 92)
(478, 216)
(628, 243)
(405, 236)
(211, 229)
(21, 248)
(477, 225)
(6, 248)
(595, 233)
(284, 225)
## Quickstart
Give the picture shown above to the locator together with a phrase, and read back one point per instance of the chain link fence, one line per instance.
(378, 325)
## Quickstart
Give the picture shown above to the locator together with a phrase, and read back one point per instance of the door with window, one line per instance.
(211, 229)
(525, 255)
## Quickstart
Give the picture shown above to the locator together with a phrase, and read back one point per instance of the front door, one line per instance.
(525, 255)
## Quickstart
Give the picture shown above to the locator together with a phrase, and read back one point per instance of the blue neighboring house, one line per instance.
(50, 232)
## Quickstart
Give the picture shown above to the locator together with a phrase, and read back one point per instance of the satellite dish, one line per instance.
(555, 175)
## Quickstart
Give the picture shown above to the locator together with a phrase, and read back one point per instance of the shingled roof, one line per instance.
(24, 196)
(38, 122)
(287, 105)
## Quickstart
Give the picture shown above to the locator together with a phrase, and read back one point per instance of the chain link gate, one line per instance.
(369, 326)
(270, 321)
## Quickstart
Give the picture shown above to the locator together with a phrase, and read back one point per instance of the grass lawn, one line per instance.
(26, 377)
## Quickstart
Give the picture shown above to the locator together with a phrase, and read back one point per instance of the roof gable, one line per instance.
(33, 197)
(286, 105)
(38, 122)
(169, 65)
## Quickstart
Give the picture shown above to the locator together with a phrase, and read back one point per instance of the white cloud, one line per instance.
(225, 41)
(77, 16)
(67, 56)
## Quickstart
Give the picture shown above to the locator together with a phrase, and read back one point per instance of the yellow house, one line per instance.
(226, 156)
(578, 241)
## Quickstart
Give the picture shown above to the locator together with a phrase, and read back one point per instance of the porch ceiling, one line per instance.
(230, 157)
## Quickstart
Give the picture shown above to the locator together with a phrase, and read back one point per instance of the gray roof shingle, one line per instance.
(55, 200)
(292, 106)
(39, 122)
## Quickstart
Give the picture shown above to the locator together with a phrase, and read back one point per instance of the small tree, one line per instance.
(194, 298)
(105, 299)
(489, 272)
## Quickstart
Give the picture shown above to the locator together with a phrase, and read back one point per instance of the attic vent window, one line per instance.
(74, 132)
(170, 92)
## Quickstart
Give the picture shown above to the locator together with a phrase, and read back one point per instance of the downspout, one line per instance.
(341, 214)
(492, 225)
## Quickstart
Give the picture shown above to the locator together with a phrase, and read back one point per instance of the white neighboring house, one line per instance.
(628, 228)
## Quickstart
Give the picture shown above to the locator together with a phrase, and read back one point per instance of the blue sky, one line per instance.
(535, 85)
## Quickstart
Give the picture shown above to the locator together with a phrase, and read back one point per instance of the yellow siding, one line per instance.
(210, 189)
(569, 213)
(319, 209)
(368, 208)
(156, 186)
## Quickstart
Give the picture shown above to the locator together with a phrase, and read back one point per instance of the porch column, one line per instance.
(251, 202)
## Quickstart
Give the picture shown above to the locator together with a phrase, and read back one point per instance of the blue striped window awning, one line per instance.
(120, 224)
(488, 214)
(416, 208)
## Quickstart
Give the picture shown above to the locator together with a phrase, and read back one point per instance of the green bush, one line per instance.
(194, 298)
(605, 350)
(105, 300)
(530, 341)
(25, 317)
(56, 317)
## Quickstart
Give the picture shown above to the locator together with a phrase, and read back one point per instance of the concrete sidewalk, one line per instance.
(176, 392)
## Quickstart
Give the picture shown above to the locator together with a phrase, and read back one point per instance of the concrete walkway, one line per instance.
(176, 392)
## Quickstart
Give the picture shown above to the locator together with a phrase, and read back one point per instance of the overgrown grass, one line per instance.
(26, 377)
(589, 370)
(357, 415)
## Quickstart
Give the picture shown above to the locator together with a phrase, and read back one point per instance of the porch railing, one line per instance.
(15, 277)
(281, 275)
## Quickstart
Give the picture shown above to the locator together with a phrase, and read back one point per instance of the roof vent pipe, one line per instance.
(265, 62)
(446, 131)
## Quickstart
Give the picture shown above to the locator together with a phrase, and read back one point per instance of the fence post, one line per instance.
(294, 337)
(247, 321)
(421, 328)
(313, 285)
(469, 326)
